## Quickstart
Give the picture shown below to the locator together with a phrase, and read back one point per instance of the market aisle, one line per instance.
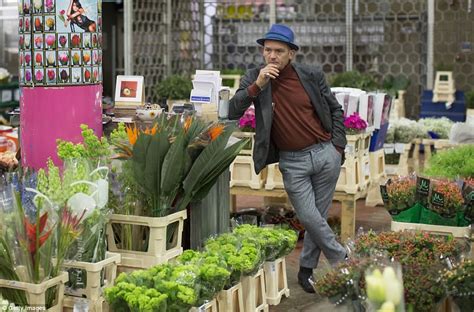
(375, 218)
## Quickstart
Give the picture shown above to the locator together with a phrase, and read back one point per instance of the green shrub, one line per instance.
(175, 87)
(452, 163)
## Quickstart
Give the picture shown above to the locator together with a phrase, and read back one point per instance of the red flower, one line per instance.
(30, 230)
(62, 12)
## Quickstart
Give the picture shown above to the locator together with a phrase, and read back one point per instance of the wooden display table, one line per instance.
(348, 204)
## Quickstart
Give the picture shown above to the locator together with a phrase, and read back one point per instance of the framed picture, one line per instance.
(130, 90)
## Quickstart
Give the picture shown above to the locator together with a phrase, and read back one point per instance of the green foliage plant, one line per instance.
(355, 79)
(452, 163)
(393, 84)
(174, 87)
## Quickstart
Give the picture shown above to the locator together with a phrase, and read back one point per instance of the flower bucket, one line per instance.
(72, 304)
(276, 282)
(99, 275)
(231, 299)
(254, 294)
(36, 293)
(158, 248)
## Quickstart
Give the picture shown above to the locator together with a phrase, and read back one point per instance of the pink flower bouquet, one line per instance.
(247, 122)
(354, 124)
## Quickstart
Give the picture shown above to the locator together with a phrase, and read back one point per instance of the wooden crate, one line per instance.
(274, 177)
(247, 150)
(210, 306)
(157, 252)
(254, 294)
(94, 288)
(276, 282)
(350, 179)
(354, 144)
(242, 173)
(231, 299)
(456, 231)
(377, 165)
(400, 169)
(36, 293)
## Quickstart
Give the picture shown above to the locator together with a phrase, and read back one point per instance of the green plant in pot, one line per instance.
(174, 87)
(393, 84)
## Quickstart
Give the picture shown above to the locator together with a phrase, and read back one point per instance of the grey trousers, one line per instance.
(310, 176)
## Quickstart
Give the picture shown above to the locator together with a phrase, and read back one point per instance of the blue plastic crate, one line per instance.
(378, 138)
(457, 112)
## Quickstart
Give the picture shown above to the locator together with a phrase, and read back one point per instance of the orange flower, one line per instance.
(187, 123)
(215, 131)
(151, 131)
(132, 133)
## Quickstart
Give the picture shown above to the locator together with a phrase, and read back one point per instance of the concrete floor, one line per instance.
(375, 218)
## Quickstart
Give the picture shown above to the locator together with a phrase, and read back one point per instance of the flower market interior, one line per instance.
(236, 156)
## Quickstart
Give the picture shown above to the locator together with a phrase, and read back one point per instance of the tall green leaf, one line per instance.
(203, 164)
(173, 166)
(139, 160)
(222, 162)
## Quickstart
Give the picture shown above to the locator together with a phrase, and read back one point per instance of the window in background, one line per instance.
(9, 35)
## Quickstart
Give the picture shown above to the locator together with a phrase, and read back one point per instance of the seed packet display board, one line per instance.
(60, 42)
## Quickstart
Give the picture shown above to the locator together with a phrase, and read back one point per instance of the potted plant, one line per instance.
(173, 88)
(399, 195)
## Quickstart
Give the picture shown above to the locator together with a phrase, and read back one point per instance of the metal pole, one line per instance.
(169, 27)
(430, 43)
(127, 40)
(202, 28)
(349, 20)
(272, 12)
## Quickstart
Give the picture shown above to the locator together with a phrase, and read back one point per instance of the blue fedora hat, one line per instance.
(282, 33)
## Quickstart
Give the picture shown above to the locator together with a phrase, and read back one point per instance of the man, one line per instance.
(299, 124)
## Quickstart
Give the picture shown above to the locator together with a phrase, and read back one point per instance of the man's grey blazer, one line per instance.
(325, 105)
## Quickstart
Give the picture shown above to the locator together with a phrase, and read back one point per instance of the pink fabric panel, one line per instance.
(50, 113)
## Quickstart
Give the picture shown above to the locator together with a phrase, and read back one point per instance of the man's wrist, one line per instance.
(253, 89)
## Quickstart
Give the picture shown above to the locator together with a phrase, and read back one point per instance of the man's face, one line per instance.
(278, 53)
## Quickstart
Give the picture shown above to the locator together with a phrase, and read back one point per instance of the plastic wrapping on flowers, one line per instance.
(135, 292)
(243, 256)
(459, 283)
(384, 287)
(275, 242)
(343, 284)
(213, 272)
